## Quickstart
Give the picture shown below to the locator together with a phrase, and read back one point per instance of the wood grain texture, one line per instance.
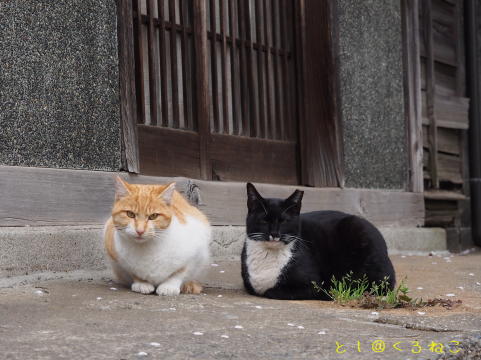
(202, 86)
(430, 93)
(128, 105)
(36, 196)
(412, 88)
(321, 145)
(169, 152)
(250, 159)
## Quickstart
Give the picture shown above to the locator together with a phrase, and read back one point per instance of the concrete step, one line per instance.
(30, 250)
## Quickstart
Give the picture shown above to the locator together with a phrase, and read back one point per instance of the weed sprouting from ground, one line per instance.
(357, 292)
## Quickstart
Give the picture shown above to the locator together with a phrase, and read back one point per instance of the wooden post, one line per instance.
(412, 88)
(202, 86)
(128, 106)
(319, 125)
(430, 93)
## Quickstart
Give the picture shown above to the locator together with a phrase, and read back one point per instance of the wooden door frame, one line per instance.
(127, 90)
(412, 93)
(320, 149)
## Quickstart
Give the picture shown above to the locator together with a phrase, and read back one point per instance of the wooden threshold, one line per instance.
(38, 197)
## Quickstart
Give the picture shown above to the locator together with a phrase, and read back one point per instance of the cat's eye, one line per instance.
(153, 216)
(130, 214)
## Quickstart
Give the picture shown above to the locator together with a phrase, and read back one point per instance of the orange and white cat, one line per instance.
(156, 240)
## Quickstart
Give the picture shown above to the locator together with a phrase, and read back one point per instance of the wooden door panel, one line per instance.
(168, 152)
(236, 158)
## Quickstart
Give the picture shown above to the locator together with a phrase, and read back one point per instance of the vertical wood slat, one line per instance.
(202, 85)
(163, 65)
(260, 72)
(152, 67)
(278, 117)
(460, 91)
(223, 61)
(128, 108)
(139, 63)
(234, 65)
(173, 65)
(244, 91)
(286, 124)
(186, 81)
(269, 122)
(459, 43)
(413, 105)
(253, 119)
(213, 62)
(430, 92)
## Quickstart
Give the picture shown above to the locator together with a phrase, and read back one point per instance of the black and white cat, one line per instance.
(286, 251)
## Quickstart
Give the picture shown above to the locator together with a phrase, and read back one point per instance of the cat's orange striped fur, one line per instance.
(148, 220)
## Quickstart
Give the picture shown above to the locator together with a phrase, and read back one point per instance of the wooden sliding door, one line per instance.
(216, 89)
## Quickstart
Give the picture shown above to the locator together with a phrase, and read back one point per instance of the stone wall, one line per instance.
(59, 99)
(371, 93)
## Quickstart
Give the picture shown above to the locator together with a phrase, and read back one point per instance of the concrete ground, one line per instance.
(95, 319)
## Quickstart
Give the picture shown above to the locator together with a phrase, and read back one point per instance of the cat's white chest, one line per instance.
(264, 266)
(181, 247)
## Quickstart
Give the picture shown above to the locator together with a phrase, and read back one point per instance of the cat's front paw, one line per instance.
(143, 287)
(168, 290)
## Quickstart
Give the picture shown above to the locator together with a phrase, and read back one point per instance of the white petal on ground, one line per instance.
(99, 298)
(142, 353)
(198, 333)
(258, 307)
(172, 309)
(238, 327)
(403, 256)
(300, 327)
(113, 289)
(219, 295)
(421, 312)
(155, 344)
(290, 324)
(419, 288)
(471, 274)
(460, 287)
(450, 295)
(222, 271)
(322, 332)
(374, 313)
(39, 292)
(224, 336)
(478, 283)
(214, 265)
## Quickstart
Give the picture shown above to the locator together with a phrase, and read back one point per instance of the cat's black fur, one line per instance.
(327, 244)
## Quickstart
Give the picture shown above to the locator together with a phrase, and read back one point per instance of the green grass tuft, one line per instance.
(359, 293)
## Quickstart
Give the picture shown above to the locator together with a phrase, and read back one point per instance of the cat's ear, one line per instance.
(121, 188)
(293, 203)
(253, 197)
(168, 193)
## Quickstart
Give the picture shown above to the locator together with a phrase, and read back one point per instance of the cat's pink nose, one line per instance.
(140, 232)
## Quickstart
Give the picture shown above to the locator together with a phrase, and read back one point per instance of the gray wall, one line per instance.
(371, 94)
(59, 101)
